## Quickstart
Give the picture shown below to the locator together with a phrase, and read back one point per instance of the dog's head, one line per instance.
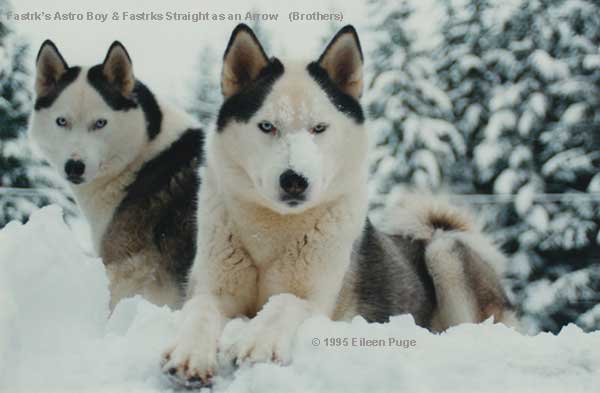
(290, 136)
(87, 122)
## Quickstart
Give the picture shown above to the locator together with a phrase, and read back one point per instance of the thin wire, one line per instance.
(471, 198)
(540, 197)
(27, 191)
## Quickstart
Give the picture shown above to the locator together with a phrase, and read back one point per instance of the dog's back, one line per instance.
(156, 221)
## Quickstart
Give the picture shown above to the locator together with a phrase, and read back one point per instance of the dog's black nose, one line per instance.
(74, 168)
(292, 183)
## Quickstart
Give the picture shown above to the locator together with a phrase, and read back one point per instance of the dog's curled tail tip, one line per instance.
(448, 218)
(421, 216)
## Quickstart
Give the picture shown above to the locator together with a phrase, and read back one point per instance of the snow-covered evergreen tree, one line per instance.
(206, 94)
(466, 62)
(411, 116)
(20, 173)
(540, 144)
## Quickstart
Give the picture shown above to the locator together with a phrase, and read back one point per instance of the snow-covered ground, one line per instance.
(56, 335)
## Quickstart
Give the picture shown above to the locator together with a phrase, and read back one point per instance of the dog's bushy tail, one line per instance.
(464, 264)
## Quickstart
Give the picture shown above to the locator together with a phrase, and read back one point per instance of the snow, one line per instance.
(525, 197)
(472, 117)
(503, 120)
(568, 232)
(434, 134)
(56, 335)
(594, 186)
(538, 218)
(504, 61)
(591, 318)
(564, 165)
(486, 154)
(470, 62)
(505, 96)
(507, 182)
(591, 62)
(538, 104)
(4, 60)
(520, 156)
(433, 93)
(568, 288)
(427, 174)
(548, 67)
(519, 265)
(574, 113)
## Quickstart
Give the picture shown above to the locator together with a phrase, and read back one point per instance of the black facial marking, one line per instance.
(342, 101)
(141, 96)
(65, 80)
(245, 103)
(111, 94)
(152, 112)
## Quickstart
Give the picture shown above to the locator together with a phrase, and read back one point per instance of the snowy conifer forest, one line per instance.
(495, 104)
(503, 113)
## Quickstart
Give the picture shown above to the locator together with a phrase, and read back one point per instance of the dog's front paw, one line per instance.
(269, 336)
(255, 341)
(190, 363)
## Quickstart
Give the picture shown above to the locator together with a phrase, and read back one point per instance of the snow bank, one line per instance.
(55, 335)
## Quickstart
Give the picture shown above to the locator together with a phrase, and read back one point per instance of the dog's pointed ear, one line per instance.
(342, 59)
(243, 60)
(118, 69)
(50, 67)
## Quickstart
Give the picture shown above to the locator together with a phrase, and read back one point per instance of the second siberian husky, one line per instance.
(283, 232)
(131, 162)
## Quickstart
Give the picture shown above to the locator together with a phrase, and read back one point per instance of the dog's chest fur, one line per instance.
(268, 236)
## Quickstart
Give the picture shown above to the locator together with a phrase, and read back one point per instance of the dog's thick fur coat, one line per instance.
(283, 232)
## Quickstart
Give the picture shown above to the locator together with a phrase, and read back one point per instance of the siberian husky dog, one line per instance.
(131, 162)
(283, 232)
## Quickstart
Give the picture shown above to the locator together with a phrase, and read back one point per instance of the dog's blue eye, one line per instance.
(61, 121)
(267, 127)
(319, 128)
(100, 123)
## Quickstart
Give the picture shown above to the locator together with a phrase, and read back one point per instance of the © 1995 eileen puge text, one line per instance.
(390, 342)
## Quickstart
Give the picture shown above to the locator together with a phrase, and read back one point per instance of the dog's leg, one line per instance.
(191, 359)
(222, 285)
